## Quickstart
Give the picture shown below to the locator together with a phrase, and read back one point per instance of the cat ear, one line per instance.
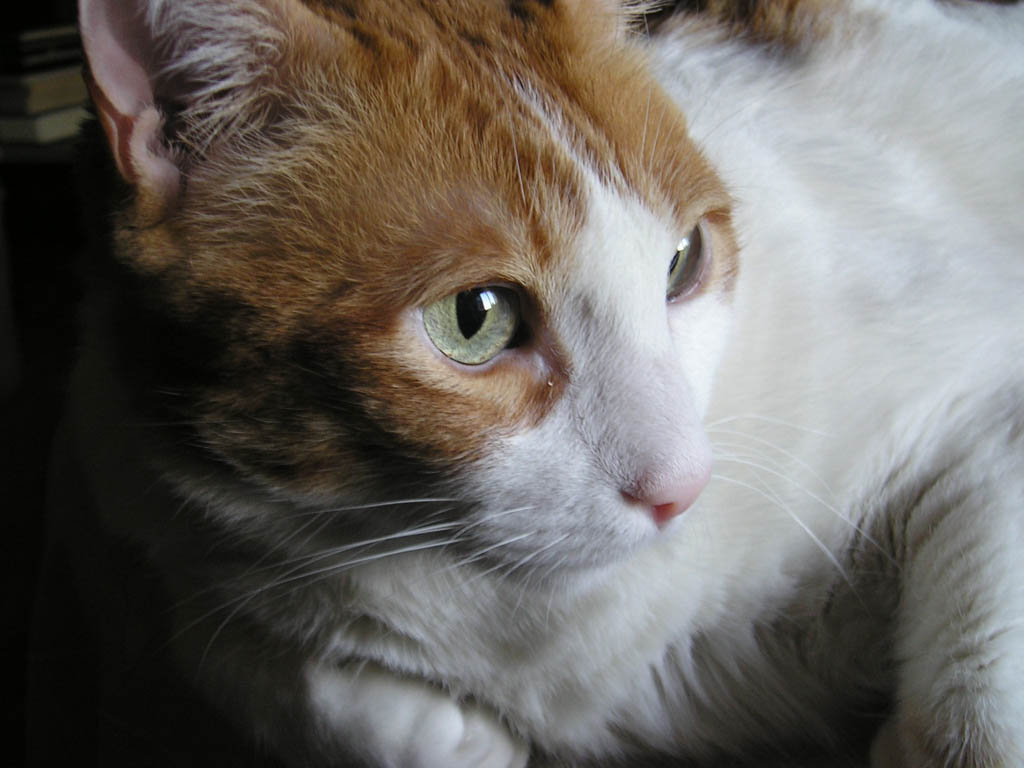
(169, 78)
(118, 45)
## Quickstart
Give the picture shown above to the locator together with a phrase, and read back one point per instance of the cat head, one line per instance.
(376, 251)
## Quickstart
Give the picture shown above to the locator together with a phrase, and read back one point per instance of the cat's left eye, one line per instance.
(472, 327)
(687, 266)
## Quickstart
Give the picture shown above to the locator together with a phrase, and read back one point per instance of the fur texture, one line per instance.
(380, 556)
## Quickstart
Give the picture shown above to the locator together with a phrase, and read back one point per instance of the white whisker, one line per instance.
(524, 561)
(796, 518)
(321, 554)
(481, 553)
(366, 544)
(725, 451)
(788, 479)
(492, 516)
(307, 578)
(768, 443)
(767, 420)
(349, 564)
(536, 552)
(376, 505)
(839, 515)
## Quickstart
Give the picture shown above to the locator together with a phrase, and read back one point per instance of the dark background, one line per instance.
(75, 693)
(40, 238)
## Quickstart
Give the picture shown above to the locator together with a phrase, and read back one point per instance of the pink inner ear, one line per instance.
(114, 36)
(118, 127)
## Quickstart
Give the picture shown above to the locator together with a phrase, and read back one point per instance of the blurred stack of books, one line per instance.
(42, 94)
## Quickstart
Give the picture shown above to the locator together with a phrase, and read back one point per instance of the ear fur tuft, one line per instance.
(215, 62)
(201, 66)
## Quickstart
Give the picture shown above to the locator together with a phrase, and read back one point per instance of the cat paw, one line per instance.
(456, 736)
(402, 723)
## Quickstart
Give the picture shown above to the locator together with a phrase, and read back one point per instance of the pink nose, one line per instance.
(670, 500)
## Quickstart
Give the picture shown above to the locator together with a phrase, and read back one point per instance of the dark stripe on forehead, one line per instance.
(364, 38)
(346, 9)
(787, 23)
(525, 9)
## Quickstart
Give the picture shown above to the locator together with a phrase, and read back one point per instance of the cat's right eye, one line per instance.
(687, 266)
(472, 327)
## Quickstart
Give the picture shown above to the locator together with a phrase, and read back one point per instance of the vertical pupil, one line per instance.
(471, 309)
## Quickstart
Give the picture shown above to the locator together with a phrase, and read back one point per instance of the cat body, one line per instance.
(377, 554)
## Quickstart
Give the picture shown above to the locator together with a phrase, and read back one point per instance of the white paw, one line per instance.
(402, 723)
(454, 736)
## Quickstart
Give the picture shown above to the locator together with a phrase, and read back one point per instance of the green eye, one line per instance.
(687, 267)
(471, 327)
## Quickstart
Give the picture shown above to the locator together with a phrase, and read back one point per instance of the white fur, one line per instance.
(408, 723)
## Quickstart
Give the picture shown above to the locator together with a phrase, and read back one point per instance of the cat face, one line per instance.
(381, 251)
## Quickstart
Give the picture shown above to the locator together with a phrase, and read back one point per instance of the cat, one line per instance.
(550, 382)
